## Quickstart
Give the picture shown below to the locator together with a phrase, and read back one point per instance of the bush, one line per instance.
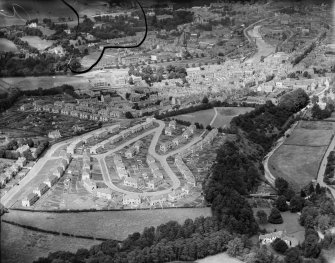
(281, 204)
(275, 217)
(279, 245)
(262, 216)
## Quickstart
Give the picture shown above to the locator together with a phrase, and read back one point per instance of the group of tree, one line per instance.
(9, 150)
(320, 114)
(268, 122)
(167, 242)
(328, 177)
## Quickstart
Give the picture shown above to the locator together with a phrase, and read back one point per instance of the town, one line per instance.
(212, 138)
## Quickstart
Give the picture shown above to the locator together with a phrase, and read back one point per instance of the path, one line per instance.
(214, 117)
(323, 165)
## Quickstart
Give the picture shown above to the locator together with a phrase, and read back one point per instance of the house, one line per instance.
(130, 152)
(131, 199)
(192, 128)
(150, 159)
(105, 193)
(51, 180)
(156, 182)
(30, 200)
(54, 134)
(186, 188)
(153, 167)
(269, 238)
(58, 172)
(187, 134)
(178, 140)
(132, 182)
(41, 189)
(86, 174)
(26, 106)
(168, 131)
(23, 148)
(137, 145)
(157, 174)
(165, 146)
(154, 200)
(172, 124)
(176, 195)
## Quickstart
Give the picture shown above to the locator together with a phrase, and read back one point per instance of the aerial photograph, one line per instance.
(167, 131)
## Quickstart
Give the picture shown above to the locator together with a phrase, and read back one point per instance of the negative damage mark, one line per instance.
(106, 47)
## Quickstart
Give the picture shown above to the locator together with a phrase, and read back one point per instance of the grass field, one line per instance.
(225, 115)
(7, 45)
(46, 82)
(204, 117)
(37, 42)
(23, 245)
(298, 159)
(113, 224)
(222, 257)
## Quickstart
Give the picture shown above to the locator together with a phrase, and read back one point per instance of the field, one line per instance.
(204, 117)
(45, 82)
(222, 257)
(112, 224)
(37, 42)
(298, 159)
(22, 245)
(7, 45)
(225, 115)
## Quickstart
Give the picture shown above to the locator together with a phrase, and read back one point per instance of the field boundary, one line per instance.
(56, 233)
(101, 210)
(323, 156)
(304, 145)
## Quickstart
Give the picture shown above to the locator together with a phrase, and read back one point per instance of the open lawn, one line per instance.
(7, 45)
(37, 42)
(294, 230)
(23, 245)
(112, 224)
(203, 117)
(298, 159)
(225, 115)
(222, 257)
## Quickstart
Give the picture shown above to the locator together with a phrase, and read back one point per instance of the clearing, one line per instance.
(7, 45)
(37, 42)
(225, 115)
(298, 159)
(203, 117)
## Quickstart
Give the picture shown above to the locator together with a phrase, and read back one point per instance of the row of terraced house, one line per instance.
(12, 171)
(52, 179)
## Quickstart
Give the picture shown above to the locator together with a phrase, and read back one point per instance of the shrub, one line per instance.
(275, 217)
(279, 245)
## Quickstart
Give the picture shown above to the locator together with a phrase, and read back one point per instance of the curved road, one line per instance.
(152, 152)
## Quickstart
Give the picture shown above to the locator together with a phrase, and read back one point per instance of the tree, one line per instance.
(275, 216)
(235, 247)
(293, 256)
(128, 115)
(296, 204)
(281, 185)
(315, 99)
(311, 244)
(281, 204)
(205, 100)
(279, 245)
(262, 216)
